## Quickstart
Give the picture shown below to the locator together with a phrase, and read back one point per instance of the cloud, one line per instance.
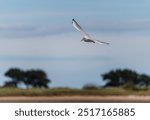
(44, 28)
(121, 26)
(46, 58)
(26, 31)
(135, 25)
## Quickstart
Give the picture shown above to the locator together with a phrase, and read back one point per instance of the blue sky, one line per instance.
(39, 35)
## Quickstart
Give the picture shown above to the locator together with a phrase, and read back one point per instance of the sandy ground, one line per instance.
(76, 99)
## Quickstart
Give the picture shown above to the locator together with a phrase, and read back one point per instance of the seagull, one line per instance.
(86, 37)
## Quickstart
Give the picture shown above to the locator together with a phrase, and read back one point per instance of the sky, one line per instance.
(37, 34)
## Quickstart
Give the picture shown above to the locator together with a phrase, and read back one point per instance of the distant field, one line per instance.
(67, 95)
(72, 92)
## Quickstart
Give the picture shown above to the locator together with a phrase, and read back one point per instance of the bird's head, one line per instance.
(73, 20)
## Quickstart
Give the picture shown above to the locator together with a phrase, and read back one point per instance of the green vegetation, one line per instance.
(70, 92)
(90, 87)
(30, 78)
(118, 82)
(126, 78)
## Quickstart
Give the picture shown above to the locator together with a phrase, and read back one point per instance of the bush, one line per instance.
(90, 87)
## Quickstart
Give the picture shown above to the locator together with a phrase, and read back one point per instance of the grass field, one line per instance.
(72, 92)
(73, 95)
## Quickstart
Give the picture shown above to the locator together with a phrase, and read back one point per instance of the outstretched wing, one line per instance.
(101, 42)
(79, 28)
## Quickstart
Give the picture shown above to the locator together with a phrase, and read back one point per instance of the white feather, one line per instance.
(79, 28)
(86, 35)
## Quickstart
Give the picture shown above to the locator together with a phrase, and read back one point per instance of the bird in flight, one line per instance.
(86, 37)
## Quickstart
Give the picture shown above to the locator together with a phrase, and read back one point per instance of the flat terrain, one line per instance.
(74, 99)
(68, 95)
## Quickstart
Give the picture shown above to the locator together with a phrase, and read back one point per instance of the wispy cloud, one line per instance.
(121, 26)
(45, 58)
(21, 31)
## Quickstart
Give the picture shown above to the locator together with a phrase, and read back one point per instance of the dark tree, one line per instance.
(120, 77)
(36, 78)
(16, 76)
(30, 78)
(12, 84)
(144, 80)
(113, 78)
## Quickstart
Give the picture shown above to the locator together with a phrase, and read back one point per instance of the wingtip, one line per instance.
(107, 43)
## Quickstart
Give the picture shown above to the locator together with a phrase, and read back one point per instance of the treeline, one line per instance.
(125, 78)
(128, 79)
(29, 78)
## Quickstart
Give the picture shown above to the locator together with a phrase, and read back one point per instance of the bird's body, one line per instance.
(87, 40)
(86, 37)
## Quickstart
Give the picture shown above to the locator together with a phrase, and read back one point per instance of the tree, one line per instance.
(11, 84)
(144, 80)
(125, 77)
(30, 78)
(112, 78)
(16, 76)
(36, 78)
